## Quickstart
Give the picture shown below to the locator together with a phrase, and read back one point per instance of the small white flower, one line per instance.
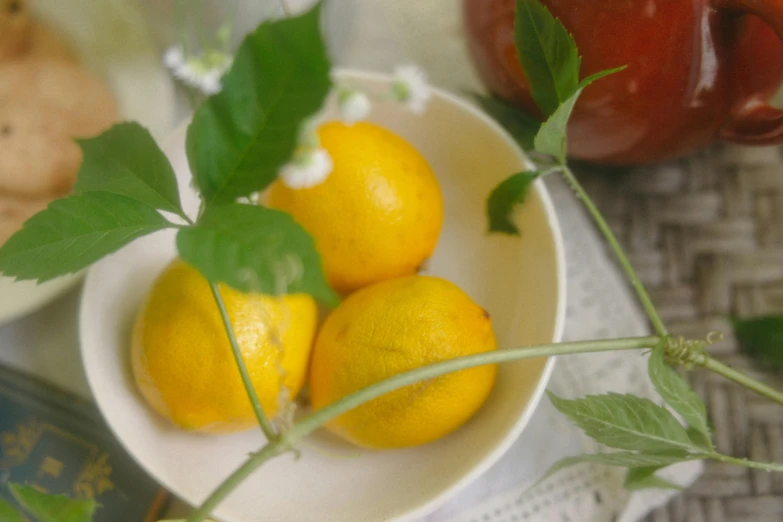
(250, 199)
(210, 82)
(202, 72)
(174, 57)
(410, 87)
(308, 169)
(354, 106)
(187, 73)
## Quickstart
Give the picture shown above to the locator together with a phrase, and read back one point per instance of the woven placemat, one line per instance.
(706, 235)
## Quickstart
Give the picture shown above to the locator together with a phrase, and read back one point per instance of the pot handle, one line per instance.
(754, 121)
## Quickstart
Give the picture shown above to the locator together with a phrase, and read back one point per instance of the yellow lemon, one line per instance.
(392, 327)
(182, 359)
(378, 214)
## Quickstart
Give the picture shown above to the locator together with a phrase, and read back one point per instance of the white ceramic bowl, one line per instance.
(520, 281)
(112, 40)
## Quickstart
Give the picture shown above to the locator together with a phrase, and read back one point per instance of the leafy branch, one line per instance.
(650, 434)
(236, 144)
(619, 253)
(315, 420)
(549, 56)
(263, 421)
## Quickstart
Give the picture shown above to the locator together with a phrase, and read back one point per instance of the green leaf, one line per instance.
(600, 74)
(548, 55)
(697, 437)
(52, 508)
(627, 422)
(551, 137)
(239, 138)
(255, 249)
(507, 195)
(761, 338)
(645, 478)
(125, 160)
(520, 125)
(622, 459)
(74, 232)
(678, 394)
(8, 513)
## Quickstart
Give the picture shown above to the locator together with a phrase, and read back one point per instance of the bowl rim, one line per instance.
(44, 294)
(424, 508)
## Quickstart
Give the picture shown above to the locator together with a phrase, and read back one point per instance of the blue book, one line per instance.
(58, 443)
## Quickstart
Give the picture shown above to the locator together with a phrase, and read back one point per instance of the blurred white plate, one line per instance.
(112, 39)
(520, 281)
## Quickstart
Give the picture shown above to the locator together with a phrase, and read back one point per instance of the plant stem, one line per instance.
(324, 415)
(652, 313)
(270, 451)
(316, 419)
(742, 379)
(603, 226)
(266, 426)
(766, 466)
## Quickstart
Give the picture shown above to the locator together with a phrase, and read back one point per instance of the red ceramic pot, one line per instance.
(698, 71)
